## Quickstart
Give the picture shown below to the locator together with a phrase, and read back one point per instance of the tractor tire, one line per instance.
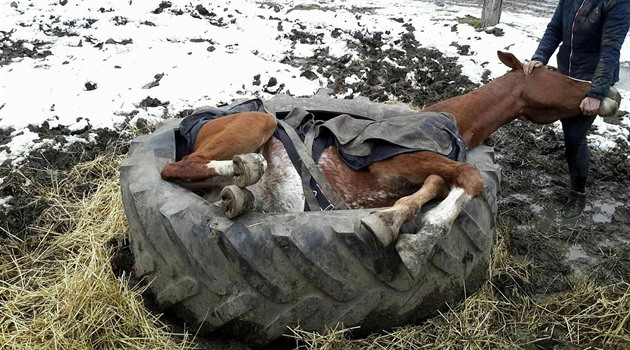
(259, 274)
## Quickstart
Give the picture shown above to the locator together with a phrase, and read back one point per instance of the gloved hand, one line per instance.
(528, 67)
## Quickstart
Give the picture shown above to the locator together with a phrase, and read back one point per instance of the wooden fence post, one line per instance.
(491, 13)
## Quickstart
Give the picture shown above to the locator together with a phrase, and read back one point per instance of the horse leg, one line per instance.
(385, 224)
(414, 249)
(416, 168)
(223, 139)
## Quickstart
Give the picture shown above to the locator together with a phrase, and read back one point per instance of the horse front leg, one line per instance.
(435, 172)
(414, 249)
(385, 224)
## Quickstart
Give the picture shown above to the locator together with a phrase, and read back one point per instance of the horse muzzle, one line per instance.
(610, 104)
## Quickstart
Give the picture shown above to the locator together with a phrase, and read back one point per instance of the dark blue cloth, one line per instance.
(384, 149)
(362, 141)
(431, 125)
(576, 147)
(592, 33)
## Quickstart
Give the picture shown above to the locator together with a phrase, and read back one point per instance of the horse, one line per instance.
(400, 185)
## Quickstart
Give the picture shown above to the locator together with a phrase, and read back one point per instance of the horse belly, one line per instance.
(362, 189)
(280, 188)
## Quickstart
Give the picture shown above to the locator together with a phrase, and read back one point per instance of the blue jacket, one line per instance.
(591, 33)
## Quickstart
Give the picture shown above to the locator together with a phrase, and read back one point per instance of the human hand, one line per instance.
(528, 67)
(590, 105)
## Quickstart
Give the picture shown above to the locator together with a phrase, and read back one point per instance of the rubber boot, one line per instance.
(576, 200)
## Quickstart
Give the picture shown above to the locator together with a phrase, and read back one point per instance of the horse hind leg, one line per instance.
(232, 137)
(247, 170)
(218, 149)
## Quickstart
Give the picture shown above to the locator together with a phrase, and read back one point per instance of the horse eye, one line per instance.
(552, 68)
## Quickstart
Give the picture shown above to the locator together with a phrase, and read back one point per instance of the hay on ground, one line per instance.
(502, 315)
(58, 291)
(57, 286)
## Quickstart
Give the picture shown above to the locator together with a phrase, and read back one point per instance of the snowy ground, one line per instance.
(106, 57)
(78, 72)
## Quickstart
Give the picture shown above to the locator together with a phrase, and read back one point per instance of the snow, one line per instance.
(206, 64)
(22, 141)
(607, 135)
(4, 202)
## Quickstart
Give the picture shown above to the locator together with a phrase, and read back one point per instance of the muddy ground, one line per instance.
(534, 173)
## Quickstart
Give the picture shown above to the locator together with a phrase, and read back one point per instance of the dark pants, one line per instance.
(575, 130)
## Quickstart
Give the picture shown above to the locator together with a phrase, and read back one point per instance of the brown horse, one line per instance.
(404, 182)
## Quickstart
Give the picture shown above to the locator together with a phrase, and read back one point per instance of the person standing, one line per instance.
(591, 33)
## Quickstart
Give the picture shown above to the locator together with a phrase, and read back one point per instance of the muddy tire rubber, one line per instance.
(258, 274)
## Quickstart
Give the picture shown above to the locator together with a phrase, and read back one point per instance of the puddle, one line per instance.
(537, 208)
(579, 259)
(545, 220)
(576, 253)
(603, 211)
(520, 197)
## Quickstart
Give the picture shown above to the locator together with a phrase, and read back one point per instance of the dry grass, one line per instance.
(58, 291)
(57, 287)
(589, 316)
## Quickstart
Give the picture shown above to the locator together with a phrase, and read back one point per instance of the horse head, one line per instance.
(550, 95)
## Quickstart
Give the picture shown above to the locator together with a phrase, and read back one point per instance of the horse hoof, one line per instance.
(415, 249)
(236, 201)
(248, 169)
(381, 226)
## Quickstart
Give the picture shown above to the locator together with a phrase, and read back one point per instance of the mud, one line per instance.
(534, 173)
(404, 71)
(44, 168)
(533, 190)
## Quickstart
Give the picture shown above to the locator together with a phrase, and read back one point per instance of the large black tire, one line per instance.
(257, 274)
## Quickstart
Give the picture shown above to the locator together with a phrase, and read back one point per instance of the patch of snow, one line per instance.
(353, 79)
(206, 64)
(604, 210)
(537, 208)
(23, 141)
(605, 135)
(6, 202)
(79, 125)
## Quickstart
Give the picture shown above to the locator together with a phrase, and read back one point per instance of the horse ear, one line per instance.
(509, 60)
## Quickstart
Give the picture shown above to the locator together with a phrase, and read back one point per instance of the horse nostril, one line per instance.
(608, 108)
(610, 104)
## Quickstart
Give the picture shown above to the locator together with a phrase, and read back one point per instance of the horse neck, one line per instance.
(484, 110)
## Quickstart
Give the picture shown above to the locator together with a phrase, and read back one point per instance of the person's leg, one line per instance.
(577, 155)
